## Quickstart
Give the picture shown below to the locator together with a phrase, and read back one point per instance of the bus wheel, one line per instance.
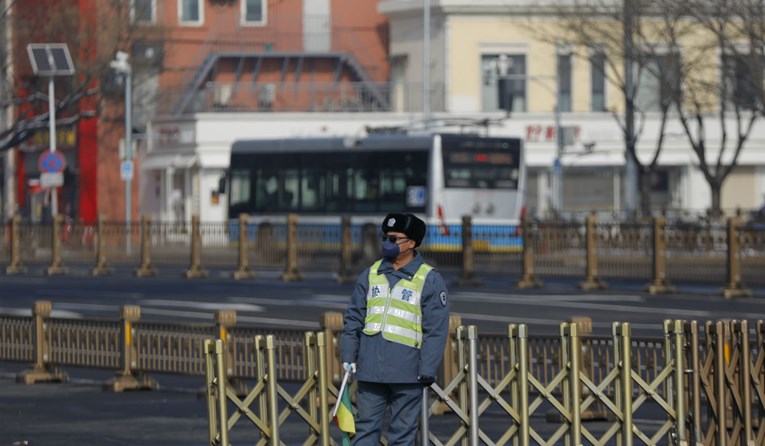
(370, 246)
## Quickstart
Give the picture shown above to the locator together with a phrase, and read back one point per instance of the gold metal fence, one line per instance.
(708, 394)
(656, 251)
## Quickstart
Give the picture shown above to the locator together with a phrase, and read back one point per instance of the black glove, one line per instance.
(426, 380)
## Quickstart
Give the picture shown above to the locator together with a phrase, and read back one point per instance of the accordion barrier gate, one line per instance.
(699, 383)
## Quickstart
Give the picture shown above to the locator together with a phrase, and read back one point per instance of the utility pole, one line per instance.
(630, 171)
(426, 63)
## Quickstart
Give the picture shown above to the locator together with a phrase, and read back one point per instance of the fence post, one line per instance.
(243, 272)
(321, 343)
(15, 266)
(734, 287)
(291, 273)
(272, 390)
(56, 267)
(101, 269)
(468, 261)
(344, 275)
(225, 320)
(592, 281)
(623, 347)
(575, 397)
(146, 269)
(217, 402)
(42, 370)
(528, 280)
(474, 428)
(196, 271)
(660, 283)
(331, 323)
(127, 379)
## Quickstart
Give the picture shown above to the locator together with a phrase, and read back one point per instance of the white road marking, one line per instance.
(202, 305)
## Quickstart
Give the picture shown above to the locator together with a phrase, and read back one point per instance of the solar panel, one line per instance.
(50, 59)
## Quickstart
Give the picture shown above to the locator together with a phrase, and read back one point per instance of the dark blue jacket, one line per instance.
(383, 361)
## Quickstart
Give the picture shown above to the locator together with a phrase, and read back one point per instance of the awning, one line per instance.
(161, 161)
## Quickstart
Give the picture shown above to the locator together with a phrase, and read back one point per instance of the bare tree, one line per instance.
(625, 36)
(93, 38)
(734, 30)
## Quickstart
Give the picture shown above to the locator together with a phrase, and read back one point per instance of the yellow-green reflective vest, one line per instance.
(396, 313)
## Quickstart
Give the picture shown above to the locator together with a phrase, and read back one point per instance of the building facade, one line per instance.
(297, 77)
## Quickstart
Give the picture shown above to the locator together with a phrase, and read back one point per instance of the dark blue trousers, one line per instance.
(372, 400)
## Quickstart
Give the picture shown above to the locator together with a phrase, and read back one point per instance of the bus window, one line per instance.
(481, 166)
(239, 196)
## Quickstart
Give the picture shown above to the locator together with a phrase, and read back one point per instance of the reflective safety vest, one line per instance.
(396, 313)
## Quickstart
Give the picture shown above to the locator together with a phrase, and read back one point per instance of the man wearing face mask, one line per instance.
(394, 334)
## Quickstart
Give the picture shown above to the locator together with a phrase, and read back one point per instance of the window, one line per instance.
(564, 82)
(503, 85)
(658, 82)
(190, 12)
(253, 12)
(320, 183)
(598, 81)
(742, 79)
(144, 11)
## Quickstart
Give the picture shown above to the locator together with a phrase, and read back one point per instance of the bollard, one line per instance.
(468, 263)
(331, 323)
(42, 370)
(196, 271)
(56, 267)
(146, 269)
(127, 379)
(734, 287)
(291, 273)
(592, 281)
(101, 268)
(225, 320)
(243, 272)
(344, 276)
(528, 279)
(660, 284)
(15, 266)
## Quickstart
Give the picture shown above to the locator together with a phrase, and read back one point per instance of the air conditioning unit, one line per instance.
(222, 94)
(266, 96)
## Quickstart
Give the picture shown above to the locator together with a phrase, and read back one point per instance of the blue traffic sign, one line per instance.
(52, 162)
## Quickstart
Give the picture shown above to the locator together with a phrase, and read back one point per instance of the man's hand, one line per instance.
(350, 367)
(426, 380)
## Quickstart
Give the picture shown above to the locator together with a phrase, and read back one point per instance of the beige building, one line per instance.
(487, 56)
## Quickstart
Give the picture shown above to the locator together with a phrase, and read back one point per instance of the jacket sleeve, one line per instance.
(353, 323)
(435, 324)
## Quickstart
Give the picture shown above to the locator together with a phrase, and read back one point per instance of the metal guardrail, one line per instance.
(706, 381)
(657, 252)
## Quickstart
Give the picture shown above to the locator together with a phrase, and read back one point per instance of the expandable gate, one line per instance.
(708, 388)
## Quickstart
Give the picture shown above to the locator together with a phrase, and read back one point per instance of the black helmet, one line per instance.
(409, 224)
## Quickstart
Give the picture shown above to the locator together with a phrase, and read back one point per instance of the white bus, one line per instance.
(440, 177)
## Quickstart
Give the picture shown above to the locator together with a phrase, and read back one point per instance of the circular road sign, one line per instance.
(52, 162)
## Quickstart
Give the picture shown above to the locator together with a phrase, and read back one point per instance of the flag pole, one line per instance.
(340, 393)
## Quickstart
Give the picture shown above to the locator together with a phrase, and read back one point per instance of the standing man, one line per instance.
(394, 334)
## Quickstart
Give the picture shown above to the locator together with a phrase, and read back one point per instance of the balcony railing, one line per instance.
(314, 97)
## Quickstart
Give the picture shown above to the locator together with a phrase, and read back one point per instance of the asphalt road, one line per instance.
(269, 302)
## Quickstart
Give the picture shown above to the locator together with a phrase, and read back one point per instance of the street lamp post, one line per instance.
(121, 66)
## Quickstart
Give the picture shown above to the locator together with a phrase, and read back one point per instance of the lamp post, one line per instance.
(121, 66)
